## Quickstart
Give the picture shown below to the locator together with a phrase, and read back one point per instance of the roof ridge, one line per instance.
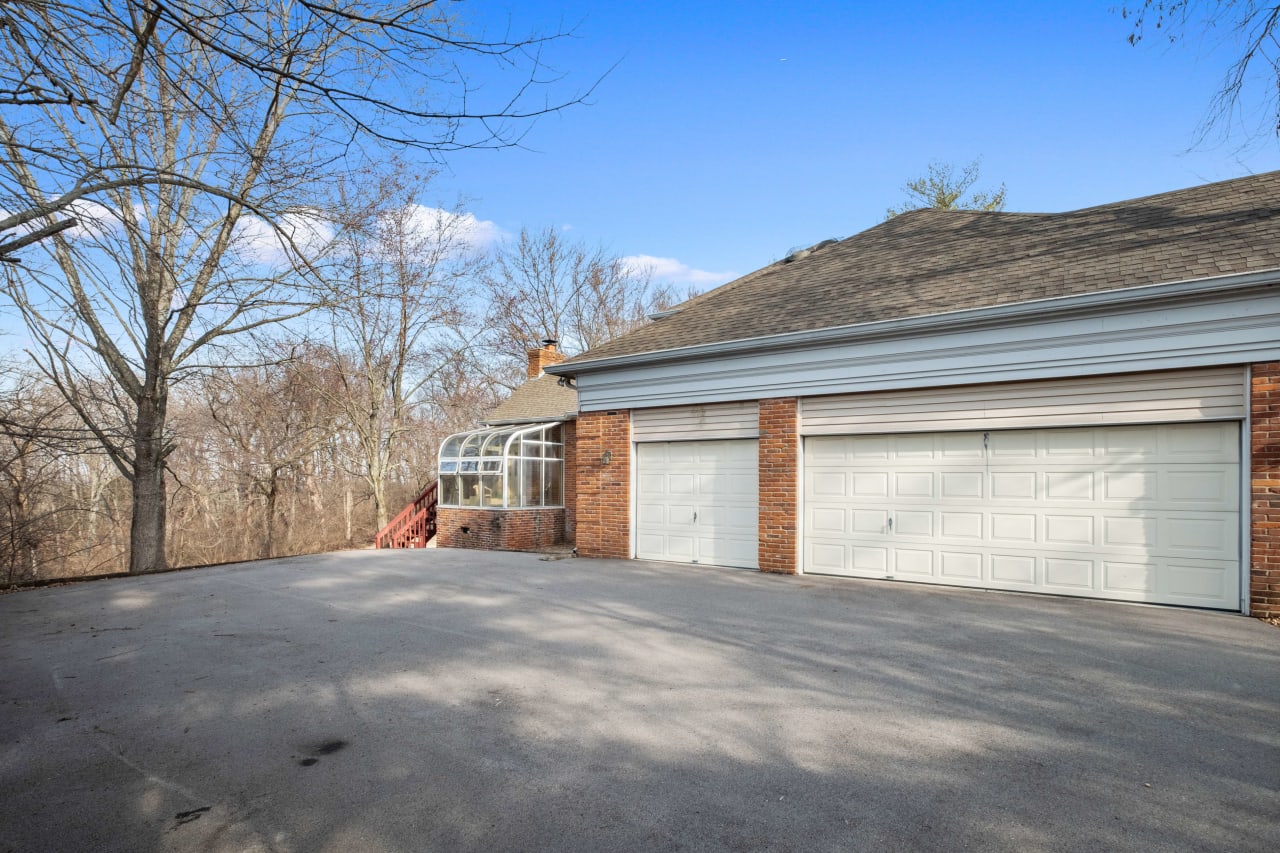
(1196, 189)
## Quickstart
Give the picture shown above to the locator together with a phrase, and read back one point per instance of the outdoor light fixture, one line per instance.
(607, 457)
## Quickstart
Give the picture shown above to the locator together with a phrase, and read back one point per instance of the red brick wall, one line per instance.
(499, 529)
(1264, 528)
(570, 481)
(603, 493)
(779, 482)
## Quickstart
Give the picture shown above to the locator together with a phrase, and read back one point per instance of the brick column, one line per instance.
(570, 480)
(604, 486)
(1264, 526)
(779, 484)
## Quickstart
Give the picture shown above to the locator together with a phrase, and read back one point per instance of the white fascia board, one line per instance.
(1039, 309)
(1169, 332)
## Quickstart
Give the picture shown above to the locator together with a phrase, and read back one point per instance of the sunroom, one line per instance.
(503, 468)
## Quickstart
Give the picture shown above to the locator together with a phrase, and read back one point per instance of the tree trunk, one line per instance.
(380, 515)
(147, 530)
(348, 505)
(269, 541)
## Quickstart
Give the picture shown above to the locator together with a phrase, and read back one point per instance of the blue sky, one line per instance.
(727, 133)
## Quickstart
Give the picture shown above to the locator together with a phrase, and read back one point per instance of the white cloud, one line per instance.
(464, 227)
(308, 233)
(672, 270)
(93, 219)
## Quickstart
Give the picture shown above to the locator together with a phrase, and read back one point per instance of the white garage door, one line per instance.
(697, 502)
(1145, 513)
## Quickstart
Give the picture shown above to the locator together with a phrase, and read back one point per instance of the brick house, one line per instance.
(1083, 403)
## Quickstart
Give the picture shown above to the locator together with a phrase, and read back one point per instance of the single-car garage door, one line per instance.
(697, 502)
(1138, 513)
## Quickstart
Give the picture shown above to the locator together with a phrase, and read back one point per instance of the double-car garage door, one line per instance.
(1144, 513)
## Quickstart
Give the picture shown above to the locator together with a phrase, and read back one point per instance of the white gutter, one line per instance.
(997, 314)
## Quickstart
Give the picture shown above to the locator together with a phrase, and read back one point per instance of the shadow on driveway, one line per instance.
(456, 700)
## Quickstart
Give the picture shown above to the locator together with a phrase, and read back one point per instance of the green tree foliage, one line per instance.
(943, 188)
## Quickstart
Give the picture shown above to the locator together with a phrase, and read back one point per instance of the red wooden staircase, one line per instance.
(414, 526)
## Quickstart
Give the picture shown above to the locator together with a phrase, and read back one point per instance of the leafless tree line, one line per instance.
(309, 435)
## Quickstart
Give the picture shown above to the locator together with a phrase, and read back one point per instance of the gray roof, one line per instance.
(541, 399)
(938, 261)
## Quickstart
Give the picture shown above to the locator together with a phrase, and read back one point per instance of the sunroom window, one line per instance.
(503, 468)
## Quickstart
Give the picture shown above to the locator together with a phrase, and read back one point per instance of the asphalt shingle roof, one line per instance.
(541, 399)
(937, 261)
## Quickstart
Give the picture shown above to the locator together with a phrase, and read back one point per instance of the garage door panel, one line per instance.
(680, 484)
(1070, 531)
(674, 451)
(1193, 441)
(650, 514)
(678, 547)
(826, 521)
(1068, 575)
(1196, 583)
(1214, 487)
(1128, 532)
(1014, 445)
(870, 559)
(828, 484)
(1014, 527)
(680, 514)
(913, 447)
(960, 565)
(908, 522)
(871, 485)
(828, 558)
(1201, 536)
(962, 485)
(1128, 578)
(1069, 486)
(1069, 443)
(913, 484)
(961, 525)
(1014, 486)
(913, 563)
(651, 484)
(1140, 513)
(1013, 569)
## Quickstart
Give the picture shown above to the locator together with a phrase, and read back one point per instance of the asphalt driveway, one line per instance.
(453, 700)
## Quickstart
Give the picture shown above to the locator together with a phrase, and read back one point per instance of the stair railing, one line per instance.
(414, 526)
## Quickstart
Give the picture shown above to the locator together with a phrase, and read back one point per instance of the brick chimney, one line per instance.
(544, 355)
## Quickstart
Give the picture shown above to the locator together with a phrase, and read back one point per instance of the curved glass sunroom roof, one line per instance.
(512, 467)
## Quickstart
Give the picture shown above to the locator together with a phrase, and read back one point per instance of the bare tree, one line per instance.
(271, 421)
(1256, 65)
(943, 189)
(28, 477)
(546, 285)
(48, 520)
(396, 317)
(396, 72)
(167, 271)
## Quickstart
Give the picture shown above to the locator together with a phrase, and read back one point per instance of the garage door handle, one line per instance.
(695, 516)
